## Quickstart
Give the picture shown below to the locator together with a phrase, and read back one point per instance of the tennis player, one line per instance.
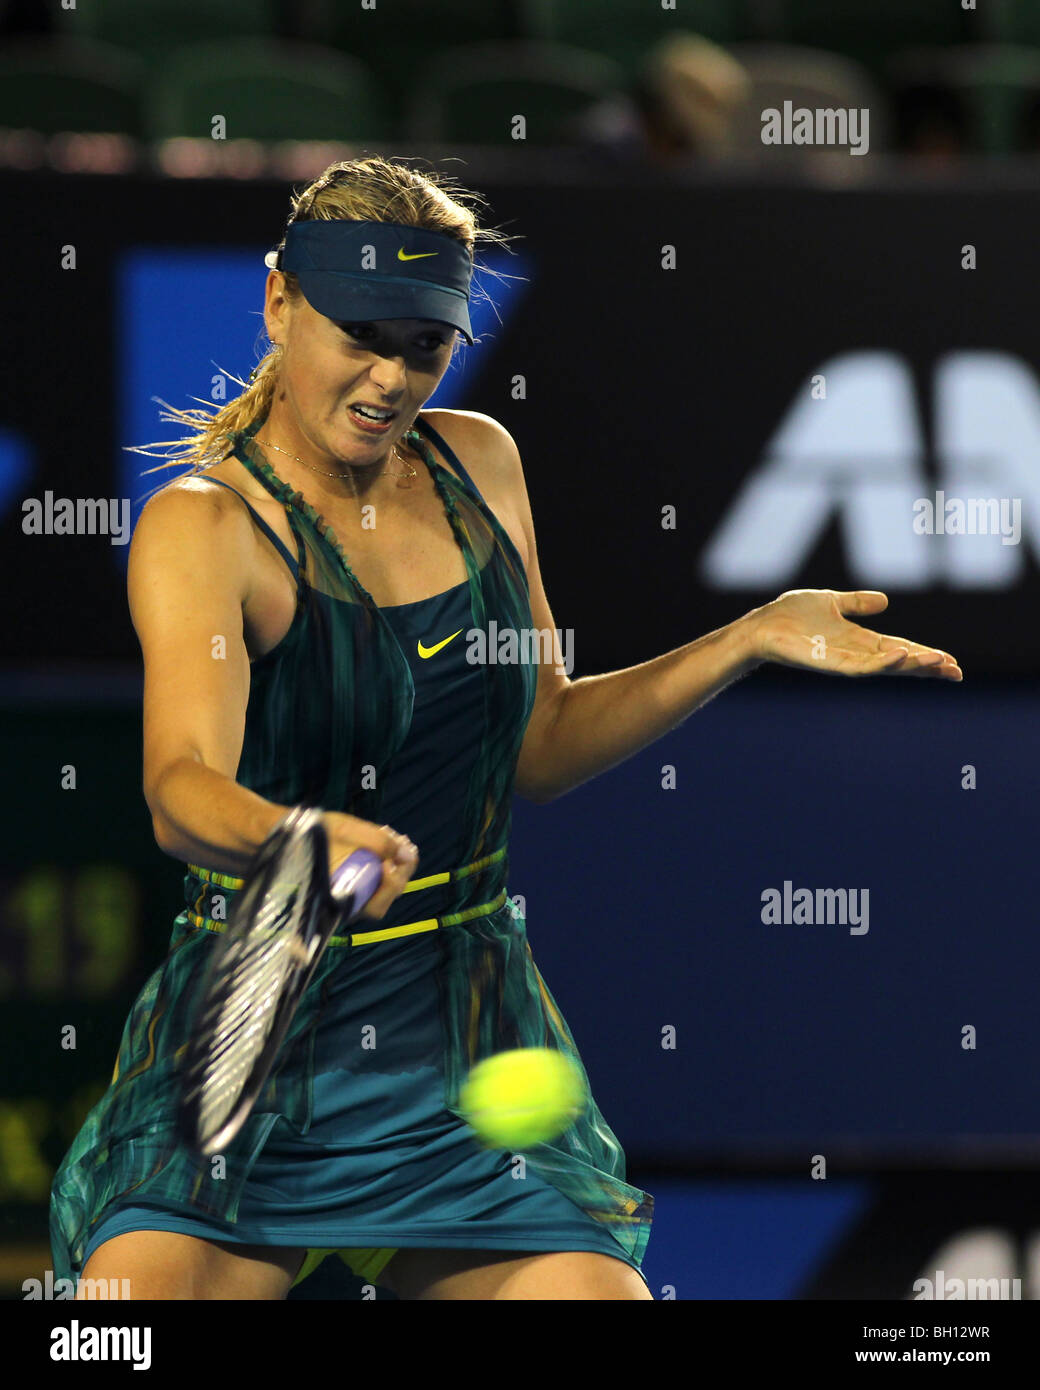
(303, 598)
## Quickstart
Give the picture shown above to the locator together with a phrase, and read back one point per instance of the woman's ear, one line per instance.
(276, 306)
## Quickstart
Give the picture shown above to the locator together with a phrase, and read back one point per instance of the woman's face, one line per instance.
(329, 367)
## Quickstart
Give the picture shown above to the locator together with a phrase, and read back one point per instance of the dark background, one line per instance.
(645, 388)
(771, 284)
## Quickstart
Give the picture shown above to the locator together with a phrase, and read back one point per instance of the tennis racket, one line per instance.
(261, 965)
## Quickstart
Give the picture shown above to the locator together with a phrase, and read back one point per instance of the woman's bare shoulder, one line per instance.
(190, 506)
(481, 444)
(489, 454)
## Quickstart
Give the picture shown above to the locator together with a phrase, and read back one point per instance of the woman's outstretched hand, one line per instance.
(807, 627)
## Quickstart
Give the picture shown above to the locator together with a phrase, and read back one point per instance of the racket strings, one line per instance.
(254, 970)
(259, 970)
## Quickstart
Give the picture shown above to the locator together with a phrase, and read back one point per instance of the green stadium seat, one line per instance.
(997, 84)
(267, 91)
(152, 28)
(470, 95)
(1010, 21)
(871, 31)
(54, 85)
(397, 39)
(417, 24)
(626, 29)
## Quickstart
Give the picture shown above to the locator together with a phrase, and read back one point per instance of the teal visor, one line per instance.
(357, 272)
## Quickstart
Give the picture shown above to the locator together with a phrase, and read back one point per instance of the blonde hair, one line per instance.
(370, 189)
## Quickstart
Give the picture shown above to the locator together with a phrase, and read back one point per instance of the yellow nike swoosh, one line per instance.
(416, 256)
(432, 651)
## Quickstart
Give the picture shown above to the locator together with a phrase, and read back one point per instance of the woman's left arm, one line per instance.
(579, 728)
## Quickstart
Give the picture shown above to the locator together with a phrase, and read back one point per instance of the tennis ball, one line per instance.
(528, 1096)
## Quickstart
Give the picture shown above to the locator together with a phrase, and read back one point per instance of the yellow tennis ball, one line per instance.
(528, 1096)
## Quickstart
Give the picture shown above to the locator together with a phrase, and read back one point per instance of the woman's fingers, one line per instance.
(906, 659)
(860, 600)
(400, 857)
(398, 854)
(928, 660)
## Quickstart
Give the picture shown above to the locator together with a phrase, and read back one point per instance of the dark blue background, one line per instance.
(643, 905)
(643, 910)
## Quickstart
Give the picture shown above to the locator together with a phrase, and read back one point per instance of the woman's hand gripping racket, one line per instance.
(261, 965)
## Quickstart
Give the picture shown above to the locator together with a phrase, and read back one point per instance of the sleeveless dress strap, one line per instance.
(424, 427)
(276, 541)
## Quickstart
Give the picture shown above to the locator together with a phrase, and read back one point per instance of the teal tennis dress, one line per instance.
(356, 1147)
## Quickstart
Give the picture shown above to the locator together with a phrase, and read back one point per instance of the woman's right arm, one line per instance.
(192, 561)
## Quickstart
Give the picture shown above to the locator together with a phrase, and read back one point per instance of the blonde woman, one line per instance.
(304, 598)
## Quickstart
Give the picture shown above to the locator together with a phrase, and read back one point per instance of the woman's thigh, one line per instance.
(497, 1274)
(167, 1264)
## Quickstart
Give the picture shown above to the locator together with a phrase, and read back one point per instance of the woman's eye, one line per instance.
(366, 333)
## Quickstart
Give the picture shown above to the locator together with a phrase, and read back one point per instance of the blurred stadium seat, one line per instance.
(996, 86)
(806, 77)
(397, 40)
(153, 28)
(419, 25)
(53, 85)
(267, 91)
(870, 31)
(1010, 21)
(625, 29)
(471, 94)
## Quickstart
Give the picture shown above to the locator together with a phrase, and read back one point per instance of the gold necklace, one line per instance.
(410, 474)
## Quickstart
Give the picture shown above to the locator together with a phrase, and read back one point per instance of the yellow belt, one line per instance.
(364, 938)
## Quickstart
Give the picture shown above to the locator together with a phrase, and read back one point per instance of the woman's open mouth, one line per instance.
(371, 419)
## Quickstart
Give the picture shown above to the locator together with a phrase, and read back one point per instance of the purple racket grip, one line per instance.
(356, 879)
